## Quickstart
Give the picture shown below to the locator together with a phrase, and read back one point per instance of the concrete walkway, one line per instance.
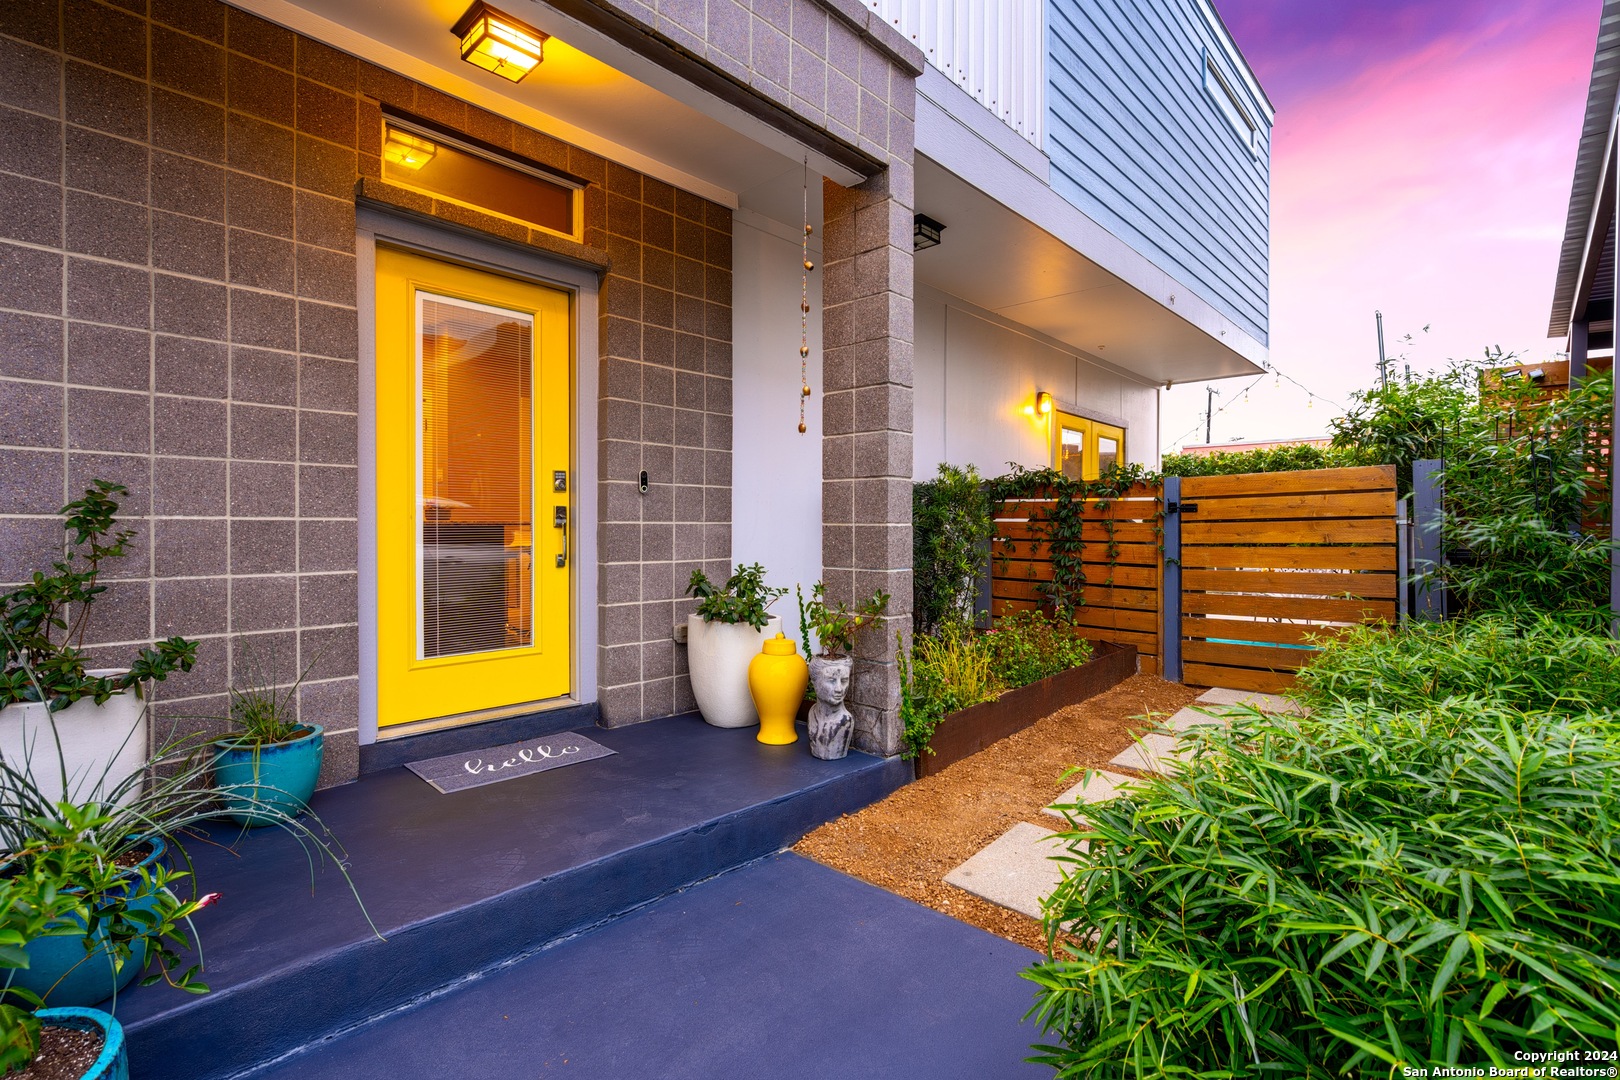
(783, 968)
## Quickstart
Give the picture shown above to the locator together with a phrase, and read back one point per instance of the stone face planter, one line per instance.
(717, 657)
(279, 775)
(101, 745)
(962, 734)
(113, 1064)
(832, 726)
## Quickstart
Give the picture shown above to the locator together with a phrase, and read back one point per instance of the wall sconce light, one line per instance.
(925, 233)
(407, 150)
(495, 41)
(1042, 407)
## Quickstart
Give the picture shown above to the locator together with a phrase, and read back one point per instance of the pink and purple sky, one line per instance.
(1421, 165)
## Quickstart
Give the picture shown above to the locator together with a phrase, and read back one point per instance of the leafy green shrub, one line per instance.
(834, 624)
(43, 621)
(1272, 459)
(1413, 419)
(1026, 647)
(744, 598)
(1536, 663)
(1346, 895)
(1528, 507)
(951, 526)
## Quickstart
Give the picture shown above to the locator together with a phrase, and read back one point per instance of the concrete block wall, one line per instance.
(178, 314)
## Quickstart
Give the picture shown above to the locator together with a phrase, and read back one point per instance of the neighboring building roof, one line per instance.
(1238, 446)
(1583, 195)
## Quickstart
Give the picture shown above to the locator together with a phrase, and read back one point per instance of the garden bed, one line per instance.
(964, 733)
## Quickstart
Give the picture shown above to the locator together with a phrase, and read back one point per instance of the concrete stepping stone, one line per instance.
(1192, 717)
(1151, 753)
(1275, 704)
(1015, 871)
(1102, 787)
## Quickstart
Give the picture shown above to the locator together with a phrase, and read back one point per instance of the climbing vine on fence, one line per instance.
(1062, 526)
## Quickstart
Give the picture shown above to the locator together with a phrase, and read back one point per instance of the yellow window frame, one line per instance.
(1092, 434)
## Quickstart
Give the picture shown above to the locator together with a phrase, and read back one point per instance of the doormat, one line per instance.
(475, 768)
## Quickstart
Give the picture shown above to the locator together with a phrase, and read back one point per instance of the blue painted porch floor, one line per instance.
(468, 882)
(783, 968)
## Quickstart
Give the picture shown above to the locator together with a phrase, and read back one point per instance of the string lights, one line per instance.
(804, 304)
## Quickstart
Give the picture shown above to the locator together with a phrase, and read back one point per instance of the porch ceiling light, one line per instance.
(925, 233)
(408, 150)
(496, 42)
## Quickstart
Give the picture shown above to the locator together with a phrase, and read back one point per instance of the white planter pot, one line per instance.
(101, 745)
(717, 656)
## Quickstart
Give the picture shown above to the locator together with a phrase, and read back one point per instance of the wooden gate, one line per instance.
(1271, 561)
(1258, 567)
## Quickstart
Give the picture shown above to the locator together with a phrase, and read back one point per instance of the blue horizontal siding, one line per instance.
(1137, 143)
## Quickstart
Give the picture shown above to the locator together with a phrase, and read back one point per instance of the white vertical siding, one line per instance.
(993, 49)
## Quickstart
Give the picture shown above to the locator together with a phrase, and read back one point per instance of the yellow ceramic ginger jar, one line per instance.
(776, 679)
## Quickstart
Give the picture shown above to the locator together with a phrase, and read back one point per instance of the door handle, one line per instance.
(559, 520)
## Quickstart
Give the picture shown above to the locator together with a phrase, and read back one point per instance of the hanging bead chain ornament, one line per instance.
(804, 304)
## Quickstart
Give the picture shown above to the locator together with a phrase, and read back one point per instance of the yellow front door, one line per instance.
(473, 490)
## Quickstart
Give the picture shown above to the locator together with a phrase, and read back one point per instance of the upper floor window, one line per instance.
(1231, 106)
(420, 158)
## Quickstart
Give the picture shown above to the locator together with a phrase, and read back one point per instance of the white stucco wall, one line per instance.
(975, 373)
(776, 472)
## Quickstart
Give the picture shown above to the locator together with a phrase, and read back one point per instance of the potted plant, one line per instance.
(121, 853)
(835, 626)
(93, 921)
(271, 760)
(727, 631)
(91, 721)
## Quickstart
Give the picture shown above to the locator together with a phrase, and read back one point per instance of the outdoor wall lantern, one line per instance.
(925, 233)
(410, 151)
(1042, 407)
(496, 42)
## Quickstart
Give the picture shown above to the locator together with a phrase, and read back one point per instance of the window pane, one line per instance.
(1107, 453)
(476, 477)
(421, 162)
(1072, 451)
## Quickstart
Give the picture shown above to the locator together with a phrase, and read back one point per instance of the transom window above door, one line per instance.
(418, 157)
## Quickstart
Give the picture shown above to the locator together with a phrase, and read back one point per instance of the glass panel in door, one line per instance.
(476, 476)
(1071, 449)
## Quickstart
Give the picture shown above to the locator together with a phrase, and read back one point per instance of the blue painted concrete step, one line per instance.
(460, 883)
(782, 969)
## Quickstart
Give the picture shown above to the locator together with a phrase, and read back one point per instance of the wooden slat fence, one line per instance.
(1120, 560)
(1272, 560)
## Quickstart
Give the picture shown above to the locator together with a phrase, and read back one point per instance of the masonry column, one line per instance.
(867, 423)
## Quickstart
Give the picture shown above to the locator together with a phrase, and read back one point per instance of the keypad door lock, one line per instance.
(559, 480)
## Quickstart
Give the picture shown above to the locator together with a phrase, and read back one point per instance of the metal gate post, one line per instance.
(1170, 585)
(1428, 552)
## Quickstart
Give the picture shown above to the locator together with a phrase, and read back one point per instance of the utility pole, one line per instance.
(1383, 365)
(1209, 416)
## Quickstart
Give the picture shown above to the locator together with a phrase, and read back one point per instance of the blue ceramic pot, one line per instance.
(64, 975)
(279, 775)
(113, 1064)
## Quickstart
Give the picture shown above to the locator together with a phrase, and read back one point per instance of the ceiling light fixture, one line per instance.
(495, 41)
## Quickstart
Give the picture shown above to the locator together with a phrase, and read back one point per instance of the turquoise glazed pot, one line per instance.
(279, 775)
(64, 975)
(113, 1064)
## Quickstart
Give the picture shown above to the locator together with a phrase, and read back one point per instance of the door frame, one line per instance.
(582, 282)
